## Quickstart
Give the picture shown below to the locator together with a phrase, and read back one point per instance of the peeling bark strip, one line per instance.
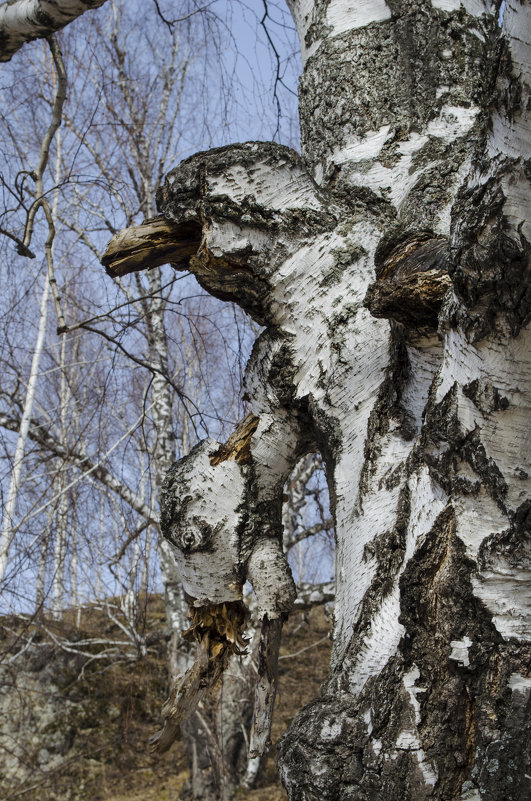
(22, 21)
(415, 134)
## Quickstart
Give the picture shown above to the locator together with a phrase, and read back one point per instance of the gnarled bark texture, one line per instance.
(409, 201)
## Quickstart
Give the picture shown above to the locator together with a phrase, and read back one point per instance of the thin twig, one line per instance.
(278, 77)
(302, 650)
(171, 23)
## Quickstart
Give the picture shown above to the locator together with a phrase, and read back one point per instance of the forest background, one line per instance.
(104, 382)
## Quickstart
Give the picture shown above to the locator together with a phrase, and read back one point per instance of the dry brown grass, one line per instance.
(119, 708)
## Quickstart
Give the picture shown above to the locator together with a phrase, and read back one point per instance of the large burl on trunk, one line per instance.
(389, 265)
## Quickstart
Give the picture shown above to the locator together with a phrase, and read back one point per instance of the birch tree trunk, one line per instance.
(61, 521)
(390, 268)
(8, 519)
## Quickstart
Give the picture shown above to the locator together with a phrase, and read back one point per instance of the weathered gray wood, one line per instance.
(218, 630)
(156, 241)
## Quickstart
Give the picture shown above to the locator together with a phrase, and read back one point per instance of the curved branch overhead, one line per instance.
(23, 21)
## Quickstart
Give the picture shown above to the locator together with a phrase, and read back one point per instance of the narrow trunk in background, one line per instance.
(8, 520)
(61, 520)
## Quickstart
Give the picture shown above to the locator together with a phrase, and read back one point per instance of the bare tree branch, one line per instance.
(309, 595)
(55, 123)
(39, 433)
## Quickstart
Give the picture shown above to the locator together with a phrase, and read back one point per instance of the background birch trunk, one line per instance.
(8, 519)
(410, 192)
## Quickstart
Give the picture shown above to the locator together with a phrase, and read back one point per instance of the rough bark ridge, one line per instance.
(411, 188)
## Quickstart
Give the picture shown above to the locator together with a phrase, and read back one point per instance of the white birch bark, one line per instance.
(61, 524)
(100, 559)
(75, 597)
(22, 21)
(43, 558)
(402, 199)
(8, 519)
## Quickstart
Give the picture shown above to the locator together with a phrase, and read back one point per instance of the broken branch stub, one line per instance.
(266, 686)
(217, 629)
(221, 536)
(154, 242)
(232, 216)
(411, 282)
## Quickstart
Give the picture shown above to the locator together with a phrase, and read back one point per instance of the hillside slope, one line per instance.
(76, 723)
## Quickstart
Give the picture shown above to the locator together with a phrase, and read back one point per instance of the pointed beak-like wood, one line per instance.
(156, 241)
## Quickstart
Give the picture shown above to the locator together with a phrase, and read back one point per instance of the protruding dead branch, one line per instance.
(218, 629)
(238, 445)
(156, 241)
(411, 282)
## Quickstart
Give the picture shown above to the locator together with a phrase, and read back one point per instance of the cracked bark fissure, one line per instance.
(411, 192)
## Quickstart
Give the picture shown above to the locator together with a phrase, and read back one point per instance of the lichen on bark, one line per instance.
(408, 199)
